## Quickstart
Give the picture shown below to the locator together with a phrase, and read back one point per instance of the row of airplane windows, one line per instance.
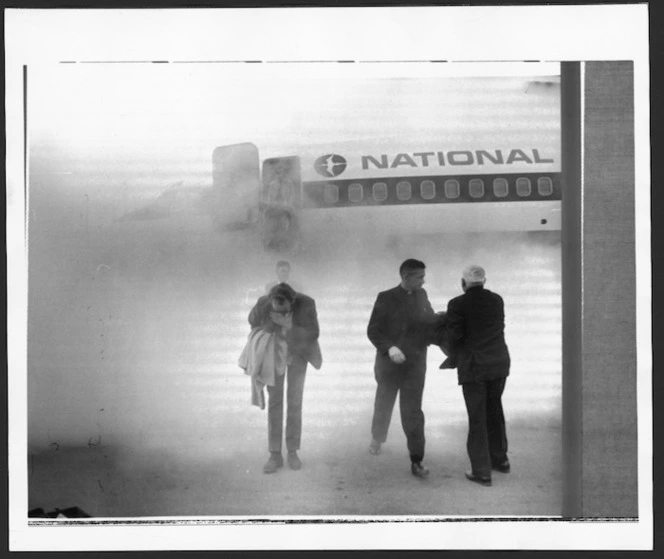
(451, 186)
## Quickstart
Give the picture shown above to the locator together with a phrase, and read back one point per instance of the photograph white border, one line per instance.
(454, 34)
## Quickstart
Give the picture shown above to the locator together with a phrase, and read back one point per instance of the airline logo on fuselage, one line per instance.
(332, 165)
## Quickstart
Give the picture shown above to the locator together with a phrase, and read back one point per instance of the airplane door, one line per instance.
(236, 185)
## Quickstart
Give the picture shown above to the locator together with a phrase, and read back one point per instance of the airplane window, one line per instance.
(331, 194)
(452, 188)
(476, 188)
(355, 193)
(544, 186)
(404, 191)
(380, 191)
(523, 186)
(500, 188)
(427, 190)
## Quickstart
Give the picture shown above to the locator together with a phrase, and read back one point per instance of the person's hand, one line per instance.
(284, 320)
(396, 355)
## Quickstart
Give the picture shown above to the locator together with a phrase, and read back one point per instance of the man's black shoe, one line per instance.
(275, 462)
(374, 447)
(482, 480)
(294, 462)
(419, 470)
(503, 468)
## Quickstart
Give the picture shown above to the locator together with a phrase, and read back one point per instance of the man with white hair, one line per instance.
(476, 330)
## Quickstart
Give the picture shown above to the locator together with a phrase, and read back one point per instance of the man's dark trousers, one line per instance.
(409, 383)
(295, 375)
(487, 442)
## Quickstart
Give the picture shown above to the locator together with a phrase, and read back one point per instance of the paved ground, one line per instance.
(338, 478)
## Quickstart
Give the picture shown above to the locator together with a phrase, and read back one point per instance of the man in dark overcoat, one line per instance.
(400, 329)
(293, 318)
(475, 324)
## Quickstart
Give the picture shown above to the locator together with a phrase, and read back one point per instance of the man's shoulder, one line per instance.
(305, 300)
(262, 300)
(389, 293)
(492, 295)
(457, 300)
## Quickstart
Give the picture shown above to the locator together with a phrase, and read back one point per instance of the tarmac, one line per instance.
(338, 479)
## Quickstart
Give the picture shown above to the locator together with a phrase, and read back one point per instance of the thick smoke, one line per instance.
(138, 300)
(135, 327)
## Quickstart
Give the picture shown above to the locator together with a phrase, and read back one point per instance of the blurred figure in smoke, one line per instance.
(292, 317)
(280, 189)
(283, 276)
(280, 224)
(400, 327)
(475, 325)
(279, 229)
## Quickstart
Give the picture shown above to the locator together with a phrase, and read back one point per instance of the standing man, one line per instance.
(293, 318)
(283, 276)
(400, 327)
(476, 332)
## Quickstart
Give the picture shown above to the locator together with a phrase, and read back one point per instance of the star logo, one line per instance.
(330, 165)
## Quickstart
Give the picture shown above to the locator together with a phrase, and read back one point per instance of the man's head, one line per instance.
(472, 276)
(282, 296)
(283, 270)
(412, 274)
